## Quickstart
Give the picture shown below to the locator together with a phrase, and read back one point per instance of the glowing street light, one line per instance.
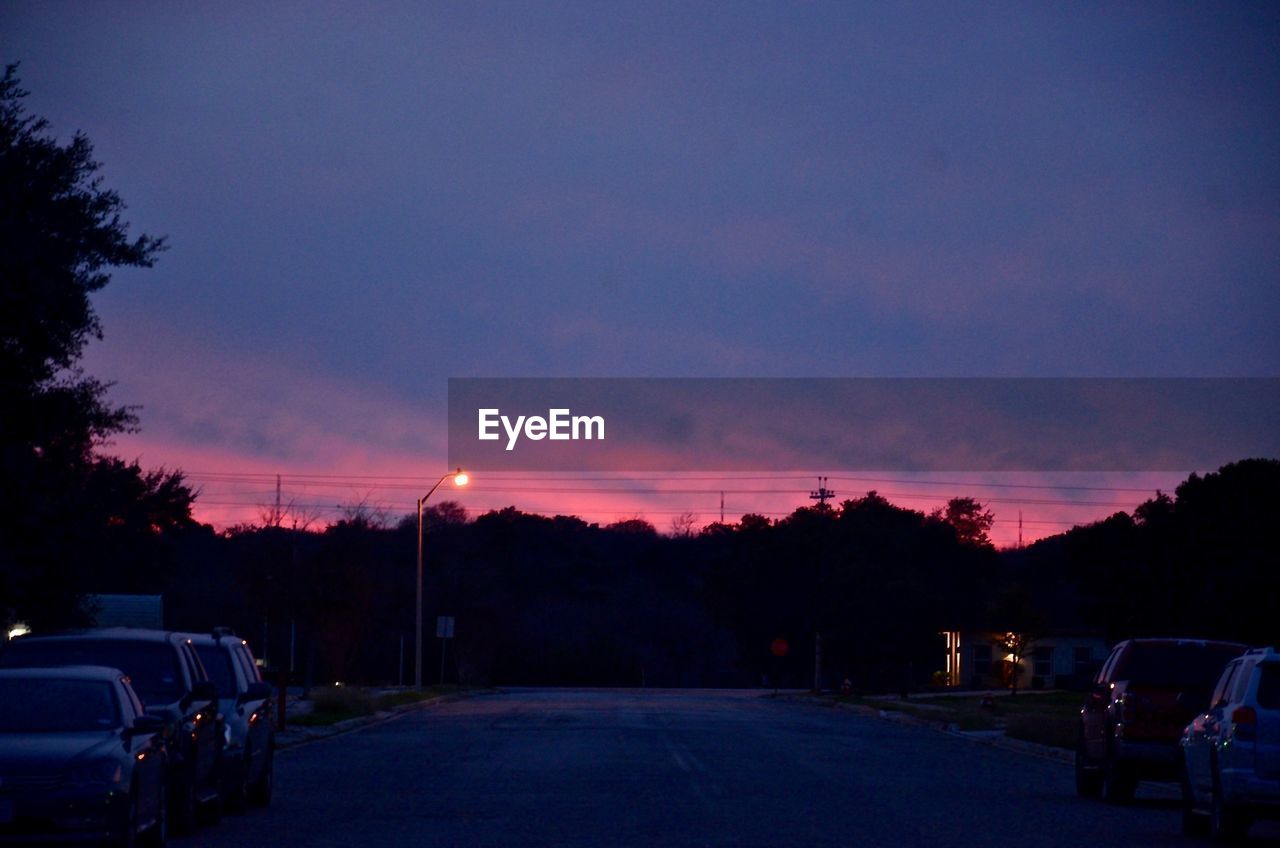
(459, 479)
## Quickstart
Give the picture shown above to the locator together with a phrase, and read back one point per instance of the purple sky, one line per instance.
(365, 199)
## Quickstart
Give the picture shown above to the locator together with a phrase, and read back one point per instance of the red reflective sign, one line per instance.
(779, 647)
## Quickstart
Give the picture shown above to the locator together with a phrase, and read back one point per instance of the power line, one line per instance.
(607, 486)
(620, 513)
(414, 480)
(634, 490)
(918, 496)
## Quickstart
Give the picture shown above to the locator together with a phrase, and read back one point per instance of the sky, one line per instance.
(363, 200)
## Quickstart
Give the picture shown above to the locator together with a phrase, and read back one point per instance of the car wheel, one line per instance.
(182, 806)
(1227, 824)
(1193, 822)
(127, 835)
(1118, 782)
(158, 835)
(235, 787)
(259, 792)
(1088, 778)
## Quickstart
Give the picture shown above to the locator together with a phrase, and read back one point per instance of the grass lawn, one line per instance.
(332, 704)
(1049, 718)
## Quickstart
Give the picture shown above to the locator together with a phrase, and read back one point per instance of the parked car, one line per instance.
(245, 702)
(79, 758)
(172, 684)
(1132, 718)
(1231, 753)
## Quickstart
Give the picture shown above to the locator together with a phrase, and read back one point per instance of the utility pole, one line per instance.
(276, 518)
(1019, 529)
(722, 507)
(822, 494)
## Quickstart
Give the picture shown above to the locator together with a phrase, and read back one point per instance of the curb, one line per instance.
(1020, 746)
(991, 739)
(299, 735)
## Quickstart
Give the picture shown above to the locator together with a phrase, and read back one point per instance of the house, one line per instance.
(979, 660)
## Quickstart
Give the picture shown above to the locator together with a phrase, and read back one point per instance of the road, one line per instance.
(674, 768)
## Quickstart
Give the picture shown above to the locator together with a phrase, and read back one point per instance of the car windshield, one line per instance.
(36, 705)
(1269, 686)
(152, 666)
(1185, 665)
(217, 662)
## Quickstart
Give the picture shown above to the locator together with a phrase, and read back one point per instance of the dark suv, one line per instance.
(246, 706)
(1132, 719)
(172, 684)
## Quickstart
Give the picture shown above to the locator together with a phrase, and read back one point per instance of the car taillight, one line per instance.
(1244, 721)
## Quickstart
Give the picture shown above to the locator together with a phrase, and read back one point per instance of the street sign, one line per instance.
(444, 627)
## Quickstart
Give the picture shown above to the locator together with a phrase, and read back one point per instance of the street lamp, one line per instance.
(459, 479)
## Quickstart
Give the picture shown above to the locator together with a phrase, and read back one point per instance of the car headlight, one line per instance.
(96, 772)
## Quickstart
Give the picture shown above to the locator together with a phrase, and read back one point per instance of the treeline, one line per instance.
(559, 601)
(1204, 561)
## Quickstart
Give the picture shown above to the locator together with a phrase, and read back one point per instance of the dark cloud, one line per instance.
(389, 195)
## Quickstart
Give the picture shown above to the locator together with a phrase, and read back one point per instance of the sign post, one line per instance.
(444, 632)
(779, 650)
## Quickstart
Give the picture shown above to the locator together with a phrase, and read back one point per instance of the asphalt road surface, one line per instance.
(651, 768)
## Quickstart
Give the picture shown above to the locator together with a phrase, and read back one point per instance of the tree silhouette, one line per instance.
(68, 517)
(972, 521)
(1015, 647)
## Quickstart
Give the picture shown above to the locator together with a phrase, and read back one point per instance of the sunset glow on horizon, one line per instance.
(826, 191)
(241, 490)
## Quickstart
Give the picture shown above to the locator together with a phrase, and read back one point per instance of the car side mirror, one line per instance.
(145, 724)
(256, 691)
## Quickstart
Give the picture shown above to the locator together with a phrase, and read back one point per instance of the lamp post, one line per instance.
(459, 479)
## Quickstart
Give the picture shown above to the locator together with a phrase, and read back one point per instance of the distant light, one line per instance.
(18, 629)
(337, 683)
